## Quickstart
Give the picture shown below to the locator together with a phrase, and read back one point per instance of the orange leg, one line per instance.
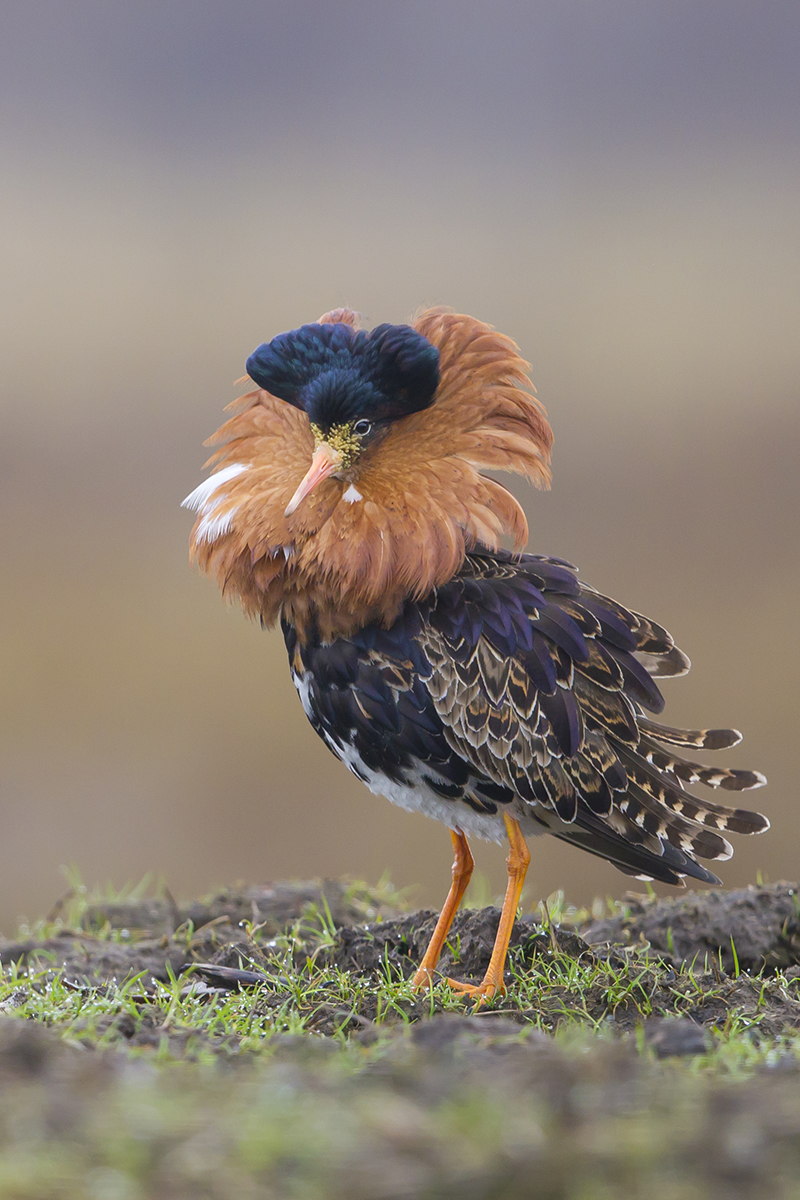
(517, 862)
(462, 870)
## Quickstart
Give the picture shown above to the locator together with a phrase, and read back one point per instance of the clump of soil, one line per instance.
(755, 929)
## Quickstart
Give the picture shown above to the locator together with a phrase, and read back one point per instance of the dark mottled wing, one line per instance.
(516, 683)
(541, 684)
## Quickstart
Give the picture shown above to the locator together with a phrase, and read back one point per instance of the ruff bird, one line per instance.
(494, 691)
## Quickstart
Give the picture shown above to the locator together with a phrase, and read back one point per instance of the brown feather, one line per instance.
(425, 502)
(340, 316)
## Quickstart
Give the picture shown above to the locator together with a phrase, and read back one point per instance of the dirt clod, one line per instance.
(751, 929)
(675, 1037)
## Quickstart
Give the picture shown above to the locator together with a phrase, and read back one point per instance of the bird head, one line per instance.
(350, 479)
(352, 385)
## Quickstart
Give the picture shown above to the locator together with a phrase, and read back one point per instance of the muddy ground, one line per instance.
(741, 950)
(451, 1108)
(416, 1103)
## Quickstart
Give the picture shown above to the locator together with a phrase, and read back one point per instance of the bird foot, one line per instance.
(487, 989)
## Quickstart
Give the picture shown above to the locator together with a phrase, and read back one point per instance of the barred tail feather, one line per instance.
(678, 829)
(692, 772)
(667, 793)
(697, 739)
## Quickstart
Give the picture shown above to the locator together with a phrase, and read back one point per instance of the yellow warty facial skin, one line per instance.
(342, 439)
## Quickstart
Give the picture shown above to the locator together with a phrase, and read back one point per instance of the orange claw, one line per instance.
(486, 990)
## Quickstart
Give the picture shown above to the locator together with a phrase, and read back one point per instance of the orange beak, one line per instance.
(326, 461)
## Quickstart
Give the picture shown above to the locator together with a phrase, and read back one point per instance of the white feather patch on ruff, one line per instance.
(206, 498)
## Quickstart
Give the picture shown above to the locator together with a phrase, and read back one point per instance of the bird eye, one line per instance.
(362, 428)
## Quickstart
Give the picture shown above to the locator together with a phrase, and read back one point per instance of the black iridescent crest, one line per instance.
(339, 375)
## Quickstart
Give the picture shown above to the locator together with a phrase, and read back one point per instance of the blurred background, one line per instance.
(614, 184)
